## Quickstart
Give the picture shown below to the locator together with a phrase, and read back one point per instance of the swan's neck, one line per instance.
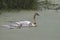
(34, 20)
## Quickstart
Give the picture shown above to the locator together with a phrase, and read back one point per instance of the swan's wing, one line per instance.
(27, 22)
(24, 23)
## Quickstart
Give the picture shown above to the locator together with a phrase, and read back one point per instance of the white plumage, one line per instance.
(25, 23)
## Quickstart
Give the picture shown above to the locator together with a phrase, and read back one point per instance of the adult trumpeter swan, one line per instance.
(28, 23)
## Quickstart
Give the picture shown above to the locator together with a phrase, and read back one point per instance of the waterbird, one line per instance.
(20, 24)
(28, 23)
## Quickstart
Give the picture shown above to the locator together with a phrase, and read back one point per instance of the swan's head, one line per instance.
(37, 13)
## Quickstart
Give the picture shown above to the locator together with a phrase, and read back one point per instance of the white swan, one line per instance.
(28, 23)
(22, 23)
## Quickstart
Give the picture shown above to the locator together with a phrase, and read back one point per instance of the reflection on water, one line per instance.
(48, 26)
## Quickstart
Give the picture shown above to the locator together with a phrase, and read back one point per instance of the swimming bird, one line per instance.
(20, 24)
(28, 23)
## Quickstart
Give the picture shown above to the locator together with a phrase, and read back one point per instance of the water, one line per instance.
(48, 26)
